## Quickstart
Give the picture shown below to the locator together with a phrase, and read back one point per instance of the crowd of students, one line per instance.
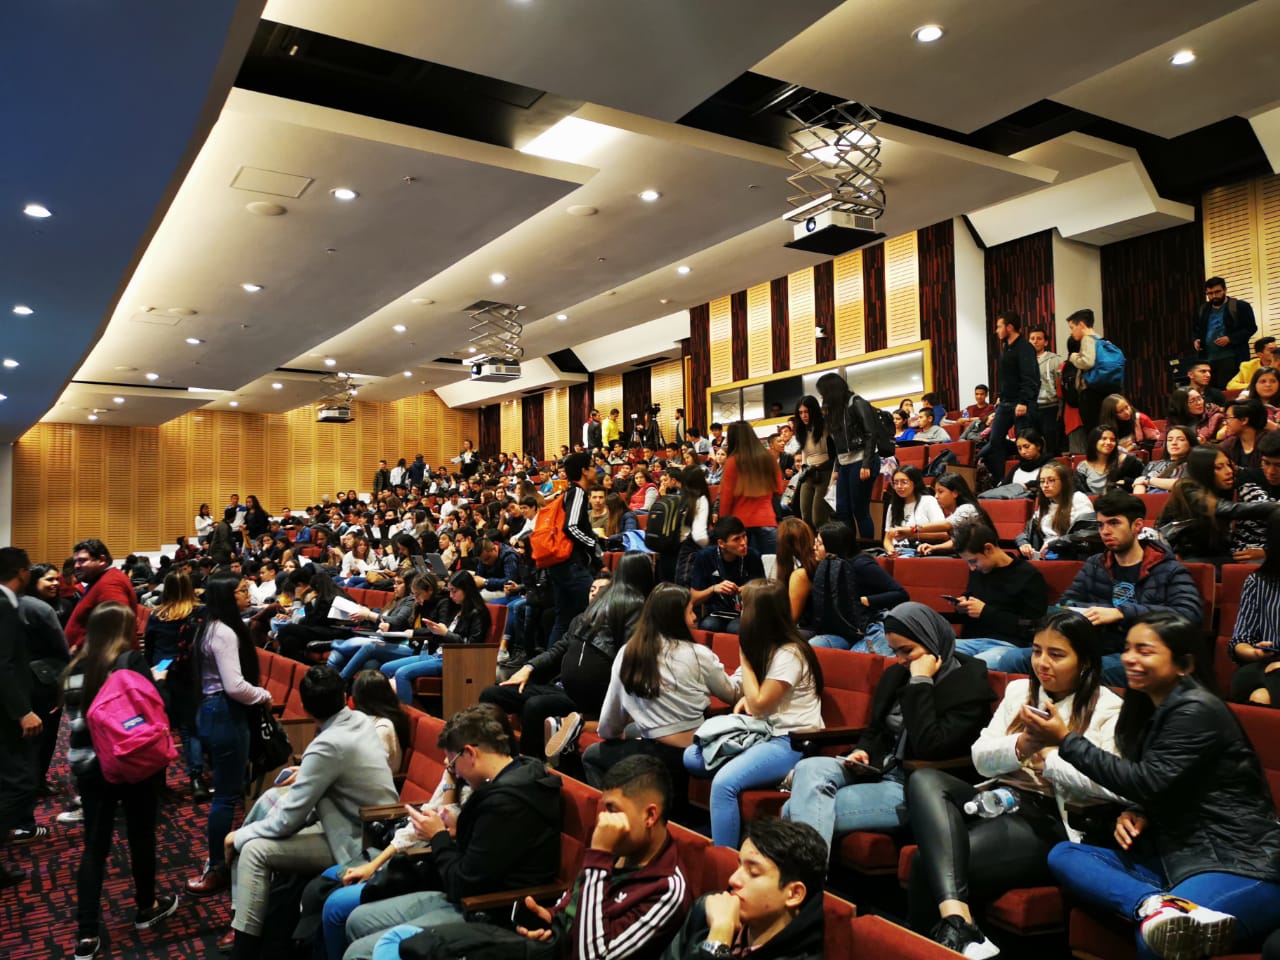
(779, 551)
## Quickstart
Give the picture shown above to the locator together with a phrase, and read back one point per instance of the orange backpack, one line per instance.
(549, 541)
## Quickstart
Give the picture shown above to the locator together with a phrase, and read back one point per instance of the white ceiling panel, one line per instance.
(994, 58)
(659, 58)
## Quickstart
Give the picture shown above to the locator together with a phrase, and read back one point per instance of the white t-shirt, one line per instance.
(965, 513)
(799, 707)
(923, 510)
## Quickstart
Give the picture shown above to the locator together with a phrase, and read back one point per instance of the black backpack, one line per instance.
(662, 528)
(883, 439)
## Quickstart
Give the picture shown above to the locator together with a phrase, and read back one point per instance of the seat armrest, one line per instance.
(809, 742)
(383, 811)
(954, 763)
(1082, 813)
(492, 901)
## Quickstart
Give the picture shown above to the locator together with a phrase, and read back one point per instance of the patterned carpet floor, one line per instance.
(37, 917)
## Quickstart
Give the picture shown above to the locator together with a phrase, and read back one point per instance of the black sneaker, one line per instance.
(90, 948)
(21, 836)
(562, 734)
(964, 938)
(146, 919)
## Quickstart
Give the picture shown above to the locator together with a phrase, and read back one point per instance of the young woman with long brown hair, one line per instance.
(750, 481)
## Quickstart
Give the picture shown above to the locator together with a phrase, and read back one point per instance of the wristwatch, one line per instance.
(714, 950)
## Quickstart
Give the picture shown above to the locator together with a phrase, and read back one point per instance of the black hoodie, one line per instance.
(801, 939)
(508, 834)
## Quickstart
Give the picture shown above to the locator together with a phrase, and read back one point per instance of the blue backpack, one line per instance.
(1107, 372)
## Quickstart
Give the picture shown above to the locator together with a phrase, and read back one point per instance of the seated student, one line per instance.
(962, 858)
(929, 705)
(660, 686)
(1204, 505)
(469, 624)
(1245, 424)
(630, 898)
(719, 572)
(498, 566)
(849, 595)
(1265, 389)
(907, 507)
(1264, 357)
(1107, 467)
(1005, 597)
(413, 600)
(1134, 431)
(795, 562)
(1159, 476)
(619, 520)
(318, 822)
(1255, 637)
(929, 431)
(781, 683)
(317, 590)
(643, 490)
(1058, 506)
(1129, 578)
(1199, 852)
(980, 409)
(573, 675)
(507, 833)
(1189, 408)
(1249, 537)
(902, 432)
(773, 908)
(1032, 456)
(959, 506)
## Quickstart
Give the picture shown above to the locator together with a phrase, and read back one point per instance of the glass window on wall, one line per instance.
(726, 406)
(753, 407)
(888, 378)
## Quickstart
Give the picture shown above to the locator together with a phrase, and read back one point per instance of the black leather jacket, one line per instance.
(1199, 783)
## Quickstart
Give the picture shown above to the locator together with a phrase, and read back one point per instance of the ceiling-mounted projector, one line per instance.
(334, 413)
(833, 232)
(495, 372)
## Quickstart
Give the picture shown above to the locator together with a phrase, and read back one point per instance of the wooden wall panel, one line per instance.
(609, 394)
(759, 343)
(555, 413)
(850, 329)
(1267, 306)
(802, 316)
(721, 341)
(902, 289)
(512, 428)
(1231, 239)
(666, 388)
(137, 488)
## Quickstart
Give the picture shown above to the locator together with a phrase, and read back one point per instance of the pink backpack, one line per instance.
(129, 728)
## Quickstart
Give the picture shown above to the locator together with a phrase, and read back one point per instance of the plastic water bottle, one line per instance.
(992, 803)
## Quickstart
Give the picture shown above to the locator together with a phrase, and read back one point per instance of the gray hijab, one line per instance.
(927, 627)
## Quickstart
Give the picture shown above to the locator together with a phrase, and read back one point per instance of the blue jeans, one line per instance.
(763, 539)
(1018, 660)
(873, 641)
(223, 728)
(990, 652)
(719, 625)
(369, 924)
(998, 449)
(1120, 882)
(570, 586)
(341, 650)
(853, 496)
(763, 765)
(404, 671)
(371, 655)
(339, 905)
(827, 798)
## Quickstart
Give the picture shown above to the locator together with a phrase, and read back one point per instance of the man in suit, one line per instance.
(345, 768)
(20, 726)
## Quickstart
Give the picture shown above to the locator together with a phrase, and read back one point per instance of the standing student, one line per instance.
(109, 635)
(1048, 414)
(816, 454)
(852, 423)
(20, 724)
(571, 579)
(1017, 389)
(1090, 398)
(1221, 330)
(751, 480)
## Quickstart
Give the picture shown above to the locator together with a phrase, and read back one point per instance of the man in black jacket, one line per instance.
(1017, 387)
(773, 908)
(1222, 328)
(1004, 600)
(571, 579)
(508, 833)
(20, 726)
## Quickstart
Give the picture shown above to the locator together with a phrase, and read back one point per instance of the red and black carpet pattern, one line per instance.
(37, 917)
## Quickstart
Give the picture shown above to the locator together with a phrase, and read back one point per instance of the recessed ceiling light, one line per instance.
(37, 210)
(497, 278)
(250, 287)
(423, 301)
(928, 33)
(117, 399)
(562, 316)
(408, 373)
(330, 362)
(684, 269)
(235, 403)
(344, 193)
(649, 196)
(277, 386)
(665, 300)
(3, 397)
(194, 341)
(93, 416)
(23, 310)
(153, 376)
(399, 328)
(10, 362)
(471, 349)
(1182, 58)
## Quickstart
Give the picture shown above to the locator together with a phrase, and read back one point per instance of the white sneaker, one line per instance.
(71, 816)
(1177, 929)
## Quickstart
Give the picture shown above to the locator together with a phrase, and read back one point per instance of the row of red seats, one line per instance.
(707, 867)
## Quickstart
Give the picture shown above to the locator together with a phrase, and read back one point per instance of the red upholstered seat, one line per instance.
(1204, 575)
(1058, 575)
(911, 456)
(963, 449)
(693, 848)
(1100, 936)
(849, 680)
(718, 867)
(874, 936)
(725, 646)
(1009, 516)
(1028, 910)
(837, 915)
(866, 852)
(1262, 727)
(1228, 603)
(927, 579)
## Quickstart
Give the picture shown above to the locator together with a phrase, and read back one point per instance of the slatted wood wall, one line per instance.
(801, 313)
(608, 394)
(667, 390)
(1242, 245)
(555, 413)
(512, 431)
(136, 488)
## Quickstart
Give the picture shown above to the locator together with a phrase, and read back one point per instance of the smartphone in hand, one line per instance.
(1040, 712)
(950, 599)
